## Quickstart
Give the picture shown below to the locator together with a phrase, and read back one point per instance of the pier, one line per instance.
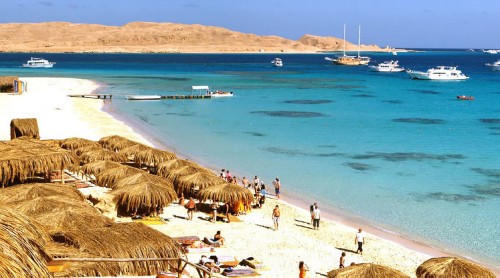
(109, 96)
(96, 96)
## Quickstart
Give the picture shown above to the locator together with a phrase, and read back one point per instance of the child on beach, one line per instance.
(277, 187)
(342, 260)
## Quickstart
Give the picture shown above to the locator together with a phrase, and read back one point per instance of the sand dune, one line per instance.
(148, 37)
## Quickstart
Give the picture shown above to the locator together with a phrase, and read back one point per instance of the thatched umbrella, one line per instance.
(152, 156)
(46, 205)
(94, 168)
(127, 240)
(366, 270)
(103, 154)
(227, 193)
(24, 127)
(144, 195)
(80, 219)
(108, 177)
(75, 143)
(450, 267)
(31, 191)
(198, 181)
(85, 149)
(141, 178)
(184, 171)
(115, 142)
(131, 150)
(21, 242)
(166, 167)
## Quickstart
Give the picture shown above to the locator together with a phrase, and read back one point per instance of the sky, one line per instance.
(395, 23)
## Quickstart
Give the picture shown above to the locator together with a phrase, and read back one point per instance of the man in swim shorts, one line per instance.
(276, 217)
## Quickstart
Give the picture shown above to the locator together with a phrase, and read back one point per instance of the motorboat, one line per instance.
(438, 73)
(494, 66)
(387, 66)
(277, 62)
(490, 51)
(143, 97)
(464, 97)
(38, 63)
(220, 94)
(347, 60)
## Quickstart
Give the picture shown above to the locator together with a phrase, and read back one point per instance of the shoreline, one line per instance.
(86, 112)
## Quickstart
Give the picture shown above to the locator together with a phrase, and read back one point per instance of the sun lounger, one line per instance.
(186, 240)
(226, 261)
(253, 263)
(163, 274)
(199, 250)
(211, 242)
(241, 272)
(150, 220)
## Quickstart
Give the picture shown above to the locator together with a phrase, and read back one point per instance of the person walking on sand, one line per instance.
(360, 240)
(317, 217)
(244, 181)
(342, 260)
(277, 187)
(190, 206)
(311, 211)
(256, 182)
(303, 269)
(276, 217)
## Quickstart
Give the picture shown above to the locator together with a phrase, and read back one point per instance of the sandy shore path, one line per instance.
(60, 117)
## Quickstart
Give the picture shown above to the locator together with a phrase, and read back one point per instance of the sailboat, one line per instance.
(351, 60)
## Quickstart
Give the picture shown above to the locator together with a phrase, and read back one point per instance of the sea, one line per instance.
(379, 149)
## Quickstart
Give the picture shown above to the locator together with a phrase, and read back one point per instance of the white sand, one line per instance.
(62, 117)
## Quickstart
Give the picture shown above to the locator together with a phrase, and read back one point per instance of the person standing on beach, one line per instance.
(229, 178)
(342, 260)
(303, 269)
(276, 217)
(277, 187)
(223, 174)
(360, 240)
(256, 182)
(317, 216)
(311, 211)
(190, 206)
(244, 181)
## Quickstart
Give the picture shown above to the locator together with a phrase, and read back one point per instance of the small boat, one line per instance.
(387, 66)
(491, 51)
(494, 66)
(220, 94)
(438, 73)
(277, 62)
(38, 63)
(464, 97)
(394, 53)
(144, 97)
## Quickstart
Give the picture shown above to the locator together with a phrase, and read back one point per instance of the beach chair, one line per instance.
(240, 272)
(186, 240)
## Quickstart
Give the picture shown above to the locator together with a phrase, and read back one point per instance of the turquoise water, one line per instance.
(400, 154)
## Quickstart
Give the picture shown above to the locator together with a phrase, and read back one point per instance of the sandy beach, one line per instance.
(60, 116)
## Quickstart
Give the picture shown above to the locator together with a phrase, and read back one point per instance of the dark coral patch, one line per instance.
(290, 114)
(423, 121)
(308, 101)
(408, 156)
(256, 134)
(490, 121)
(360, 166)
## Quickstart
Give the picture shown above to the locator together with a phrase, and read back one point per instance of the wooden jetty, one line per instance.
(96, 96)
(105, 96)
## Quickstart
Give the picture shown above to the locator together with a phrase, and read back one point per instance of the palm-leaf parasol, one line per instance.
(115, 142)
(103, 154)
(109, 176)
(366, 270)
(30, 191)
(166, 167)
(80, 219)
(141, 178)
(24, 127)
(184, 171)
(199, 180)
(152, 156)
(144, 194)
(88, 148)
(227, 193)
(450, 267)
(94, 168)
(46, 205)
(75, 143)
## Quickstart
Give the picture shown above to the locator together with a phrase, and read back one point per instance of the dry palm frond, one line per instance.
(108, 177)
(115, 142)
(199, 180)
(366, 270)
(450, 267)
(152, 157)
(144, 194)
(85, 149)
(141, 178)
(75, 143)
(166, 167)
(24, 127)
(30, 191)
(94, 168)
(102, 154)
(72, 219)
(46, 205)
(184, 171)
(227, 193)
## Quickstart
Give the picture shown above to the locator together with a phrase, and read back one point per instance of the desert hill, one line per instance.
(144, 37)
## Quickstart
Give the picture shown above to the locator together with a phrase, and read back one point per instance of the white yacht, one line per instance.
(495, 65)
(38, 63)
(350, 60)
(491, 51)
(438, 73)
(277, 62)
(387, 66)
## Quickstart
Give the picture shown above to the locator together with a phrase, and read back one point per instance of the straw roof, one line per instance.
(153, 156)
(46, 205)
(72, 219)
(131, 150)
(127, 240)
(31, 191)
(24, 127)
(85, 149)
(75, 143)
(144, 194)
(22, 158)
(21, 242)
(115, 142)
(166, 167)
(108, 177)
(184, 171)
(366, 270)
(227, 193)
(102, 154)
(450, 267)
(96, 167)
(199, 180)
(141, 178)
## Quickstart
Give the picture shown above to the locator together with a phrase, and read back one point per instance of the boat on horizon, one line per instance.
(491, 51)
(277, 62)
(464, 97)
(143, 97)
(494, 66)
(347, 60)
(387, 66)
(38, 63)
(438, 73)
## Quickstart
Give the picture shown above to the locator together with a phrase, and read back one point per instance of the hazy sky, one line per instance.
(397, 23)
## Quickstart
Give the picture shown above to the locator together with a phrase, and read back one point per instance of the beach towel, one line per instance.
(199, 250)
(150, 220)
(186, 240)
